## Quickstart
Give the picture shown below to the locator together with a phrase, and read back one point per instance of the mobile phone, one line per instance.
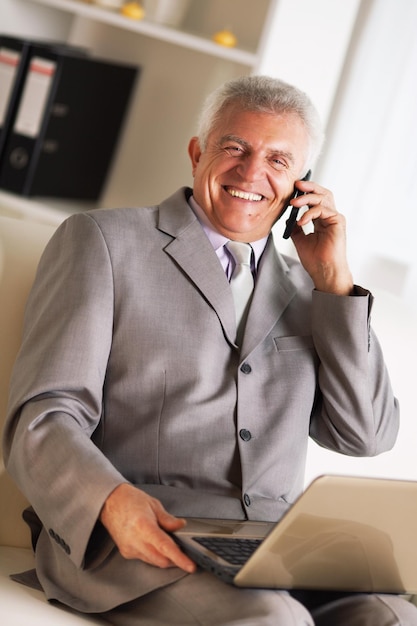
(292, 220)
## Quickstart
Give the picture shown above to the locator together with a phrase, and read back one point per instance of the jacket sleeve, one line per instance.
(356, 413)
(56, 389)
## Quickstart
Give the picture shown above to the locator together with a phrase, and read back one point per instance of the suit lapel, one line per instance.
(274, 290)
(193, 252)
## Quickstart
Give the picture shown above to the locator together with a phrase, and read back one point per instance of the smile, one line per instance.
(244, 195)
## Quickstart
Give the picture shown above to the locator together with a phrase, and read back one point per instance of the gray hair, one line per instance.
(266, 95)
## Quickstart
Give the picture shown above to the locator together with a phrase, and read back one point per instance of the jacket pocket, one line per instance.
(290, 344)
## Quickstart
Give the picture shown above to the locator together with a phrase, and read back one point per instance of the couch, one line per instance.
(21, 243)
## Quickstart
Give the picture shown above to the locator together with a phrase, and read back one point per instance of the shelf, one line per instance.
(151, 29)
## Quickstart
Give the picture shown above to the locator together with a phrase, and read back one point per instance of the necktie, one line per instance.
(241, 282)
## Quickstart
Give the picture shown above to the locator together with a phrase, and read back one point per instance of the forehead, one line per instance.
(261, 128)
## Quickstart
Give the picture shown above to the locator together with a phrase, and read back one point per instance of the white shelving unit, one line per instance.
(152, 29)
(180, 66)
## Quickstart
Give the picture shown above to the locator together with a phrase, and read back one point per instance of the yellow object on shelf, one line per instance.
(225, 38)
(133, 10)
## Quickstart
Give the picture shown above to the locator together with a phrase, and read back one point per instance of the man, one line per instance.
(135, 399)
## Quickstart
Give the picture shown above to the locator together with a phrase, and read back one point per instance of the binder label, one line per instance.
(9, 63)
(34, 97)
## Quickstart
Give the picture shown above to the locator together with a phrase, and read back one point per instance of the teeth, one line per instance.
(252, 197)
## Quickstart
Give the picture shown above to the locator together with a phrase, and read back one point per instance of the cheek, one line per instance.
(204, 174)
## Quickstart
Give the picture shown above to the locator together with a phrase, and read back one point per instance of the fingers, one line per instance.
(157, 548)
(322, 217)
(139, 526)
(323, 252)
(321, 206)
(163, 547)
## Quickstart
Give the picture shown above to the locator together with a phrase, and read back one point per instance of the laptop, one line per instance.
(344, 533)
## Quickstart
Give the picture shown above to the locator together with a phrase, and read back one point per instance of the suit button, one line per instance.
(245, 368)
(246, 499)
(59, 541)
(245, 434)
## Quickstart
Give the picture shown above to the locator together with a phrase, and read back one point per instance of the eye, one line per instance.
(278, 163)
(233, 150)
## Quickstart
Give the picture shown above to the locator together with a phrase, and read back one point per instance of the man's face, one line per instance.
(246, 174)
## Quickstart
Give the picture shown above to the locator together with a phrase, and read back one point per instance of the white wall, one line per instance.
(371, 155)
(308, 46)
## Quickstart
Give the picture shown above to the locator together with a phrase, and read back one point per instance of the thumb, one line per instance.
(170, 522)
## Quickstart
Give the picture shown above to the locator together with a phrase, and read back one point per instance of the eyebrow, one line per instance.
(234, 138)
(275, 152)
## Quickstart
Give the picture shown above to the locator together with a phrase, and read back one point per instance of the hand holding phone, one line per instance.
(292, 220)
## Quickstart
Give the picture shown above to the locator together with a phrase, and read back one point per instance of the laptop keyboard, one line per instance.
(231, 549)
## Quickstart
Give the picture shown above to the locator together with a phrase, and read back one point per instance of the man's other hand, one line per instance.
(139, 526)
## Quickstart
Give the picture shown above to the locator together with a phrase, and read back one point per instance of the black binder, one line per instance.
(13, 62)
(66, 124)
(14, 58)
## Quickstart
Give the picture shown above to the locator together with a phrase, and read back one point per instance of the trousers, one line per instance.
(203, 600)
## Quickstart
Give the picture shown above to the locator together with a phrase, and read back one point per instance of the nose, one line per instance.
(251, 167)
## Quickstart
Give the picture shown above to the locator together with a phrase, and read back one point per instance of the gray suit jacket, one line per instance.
(129, 371)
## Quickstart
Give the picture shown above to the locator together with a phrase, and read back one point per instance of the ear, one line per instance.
(194, 152)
